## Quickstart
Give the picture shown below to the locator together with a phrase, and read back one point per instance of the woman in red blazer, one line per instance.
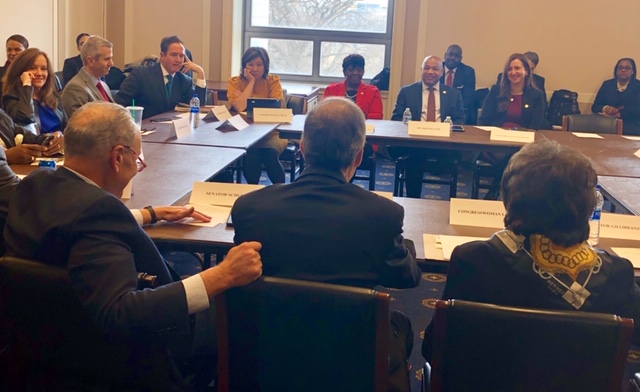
(366, 96)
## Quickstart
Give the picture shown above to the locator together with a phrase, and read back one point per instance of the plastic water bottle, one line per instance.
(406, 116)
(194, 115)
(594, 222)
(449, 121)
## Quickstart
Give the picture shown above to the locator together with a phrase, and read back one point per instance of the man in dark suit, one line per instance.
(8, 183)
(82, 225)
(447, 102)
(323, 228)
(73, 65)
(160, 87)
(462, 77)
(86, 85)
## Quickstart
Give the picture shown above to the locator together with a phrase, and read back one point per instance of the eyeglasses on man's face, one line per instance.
(139, 162)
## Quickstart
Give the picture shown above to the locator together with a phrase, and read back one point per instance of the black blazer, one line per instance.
(146, 86)
(8, 183)
(629, 98)
(20, 107)
(532, 109)
(323, 228)
(71, 67)
(486, 271)
(465, 81)
(411, 97)
(95, 237)
(537, 80)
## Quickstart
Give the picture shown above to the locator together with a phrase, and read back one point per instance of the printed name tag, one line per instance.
(370, 128)
(269, 115)
(235, 122)
(624, 227)
(220, 113)
(477, 213)
(505, 135)
(426, 128)
(180, 128)
(218, 193)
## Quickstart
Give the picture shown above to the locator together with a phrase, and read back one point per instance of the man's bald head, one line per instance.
(96, 128)
(334, 134)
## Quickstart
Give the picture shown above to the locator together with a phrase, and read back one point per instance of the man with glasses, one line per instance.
(160, 87)
(73, 218)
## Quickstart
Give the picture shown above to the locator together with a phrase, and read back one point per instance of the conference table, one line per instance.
(622, 192)
(395, 133)
(171, 171)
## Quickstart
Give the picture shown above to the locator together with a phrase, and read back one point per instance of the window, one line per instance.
(307, 40)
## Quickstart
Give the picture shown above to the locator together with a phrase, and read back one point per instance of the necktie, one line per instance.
(103, 91)
(431, 105)
(449, 81)
(169, 84)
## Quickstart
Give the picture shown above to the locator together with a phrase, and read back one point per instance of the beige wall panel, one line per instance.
(78, 16)
(40, 30)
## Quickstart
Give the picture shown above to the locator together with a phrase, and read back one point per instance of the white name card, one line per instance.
(505, 135)
(271, 115)
(587, 135)
(180, 127)
(477, 213)
(220, 113)
(631, 254)
(624, 227)
(127, 191)
(637, 153)
(386, 195)
(235, 122)
(218, 193)
(427, 128)
(370, 128)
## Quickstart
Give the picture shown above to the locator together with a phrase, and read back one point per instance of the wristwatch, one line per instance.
(154, 217)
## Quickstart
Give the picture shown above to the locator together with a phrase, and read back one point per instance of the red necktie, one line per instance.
(103, 92)
(431, 105)
(449, 81)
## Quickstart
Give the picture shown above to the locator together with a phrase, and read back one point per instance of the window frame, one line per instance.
(317, 37)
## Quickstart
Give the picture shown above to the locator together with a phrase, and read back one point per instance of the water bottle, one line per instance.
(406, 116)
(194, 115)
(449, 121)
(594, 222)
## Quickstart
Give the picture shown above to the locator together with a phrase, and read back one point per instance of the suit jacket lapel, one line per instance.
(161, 87)
(94, 89)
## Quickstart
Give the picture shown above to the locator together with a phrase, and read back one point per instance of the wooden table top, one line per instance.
(171, 171)
(206, 134)
(395, 133)
(610, 156)
(623, 192)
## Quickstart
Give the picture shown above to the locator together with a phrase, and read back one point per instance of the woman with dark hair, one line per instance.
(542, 258)
(72, 65)
(29, 97)
(366, 96)
(515, 102)
(255, 81)
(620, 96)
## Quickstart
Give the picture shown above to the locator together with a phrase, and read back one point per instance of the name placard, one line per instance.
(236, 122)
(637, 153)
(587, 135)
(220, 113)
(180, 127)
(505, 135)
(370, 128)
(477, 213)
(127, 191)
(386, 195)
(271, 115)
(218, 193)
(427, 128)
(631, 254)
(624, 227)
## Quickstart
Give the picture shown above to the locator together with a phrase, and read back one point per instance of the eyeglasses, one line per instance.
(139, 162)
(624, 68)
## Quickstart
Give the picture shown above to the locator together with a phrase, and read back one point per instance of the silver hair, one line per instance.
(334, 134)
(91, 47)
(96, 128)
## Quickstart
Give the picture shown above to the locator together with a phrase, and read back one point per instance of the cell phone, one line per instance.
(457, 128)
(47, 139)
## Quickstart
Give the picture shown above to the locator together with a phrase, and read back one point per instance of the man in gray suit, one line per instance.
(86, 86)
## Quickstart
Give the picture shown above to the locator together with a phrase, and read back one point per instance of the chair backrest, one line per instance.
(59, 80)
(296, 103)
(58, 345)
(288, 335)
(592, 123)
(481, 347)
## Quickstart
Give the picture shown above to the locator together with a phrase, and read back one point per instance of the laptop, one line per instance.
(272, 103)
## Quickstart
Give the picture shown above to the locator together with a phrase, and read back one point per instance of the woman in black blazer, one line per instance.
(515, 102)
(620, 96)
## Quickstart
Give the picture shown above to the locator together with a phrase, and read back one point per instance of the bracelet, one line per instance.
(154, 217)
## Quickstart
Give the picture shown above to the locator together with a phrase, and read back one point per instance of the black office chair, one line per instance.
(53, 343)
(491, 170)
(368, 164)
(292, 155)
(482, 347)
(440, 165)
(289, 335)
(59, 80)
(592, 123)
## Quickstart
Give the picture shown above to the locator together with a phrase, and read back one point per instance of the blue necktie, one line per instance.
(169, 85)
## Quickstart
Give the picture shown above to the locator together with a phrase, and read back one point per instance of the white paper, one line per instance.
(446, 243)
(370, 128)
(218, 214)
(180, 127)
(506, 135)
(620, 226)
(272, 115)
(236, 122)
(587, 135)
(632, 137)
(489, 129)
(631, 254)
(476, 213)
(428, 128)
